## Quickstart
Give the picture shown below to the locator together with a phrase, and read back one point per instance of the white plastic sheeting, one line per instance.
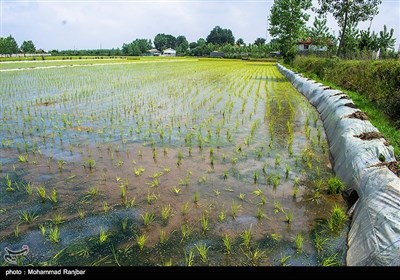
(374, 237)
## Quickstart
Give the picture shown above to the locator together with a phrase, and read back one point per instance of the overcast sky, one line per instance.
(88, 24)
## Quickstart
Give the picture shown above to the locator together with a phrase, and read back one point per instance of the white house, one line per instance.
(307, 45)
(169, 52)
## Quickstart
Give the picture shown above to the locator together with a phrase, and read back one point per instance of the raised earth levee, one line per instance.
(360, 157)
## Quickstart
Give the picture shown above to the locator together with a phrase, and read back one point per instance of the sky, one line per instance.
(88, 24)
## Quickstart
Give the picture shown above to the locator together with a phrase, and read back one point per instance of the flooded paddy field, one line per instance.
(185, 162)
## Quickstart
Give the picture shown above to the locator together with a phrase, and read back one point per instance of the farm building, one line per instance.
(169, 52)
(307, 45)
(154, 52)
(217, 54)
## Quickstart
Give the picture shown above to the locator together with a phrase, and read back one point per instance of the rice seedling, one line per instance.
(166, 212)
(124, 224)
(287, 170)
(299, 243)
(319, 243)
(202, 250)
(255, 177)
(139, 171)
(185, 208)
(335, 186)
(163, 237)
(42, 193)
(28, 189)
(337, 218)
(257, 192)
(141, 240)
(28, 217)
(53, 196)
(9, 187)
(106, 207)
(234, 209)
(176, 190)
(91, 163)
(42, 229)
(57, 219)
(227, 243)
(226, 172)
(148, 218)
(189, 258)
(60, 163)
(277, 207)
(151, 197)
(242, 196)
(180, 156)
(16, 231)
(54, 234)
(288, 217)
(221, 216)
(276, 236)
(277, 160)
(196, 197)
(276, 180)
(260, 213)
(283, 260)
(330, 261)
(246, 236)
(81, 213)
(295, 191)
(186, 231)
(204, 222)
(103, 236)
(23, 158)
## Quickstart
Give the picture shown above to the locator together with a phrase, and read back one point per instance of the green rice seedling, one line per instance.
(28, 189)
(227, 243)
(246, 236)
(9, 187)
(255, 177)
(289, 217)
(124, 223)
(23, 158)
(81, 213)
(316, 196)
(53, 196)
(221, 216)
(57, 219)
(335, 186)
(165, 151)
(204, 222)
(189, 258)
(234, 160)
(155, 183)
(318, 185)
(287, 170)
(120, 163)
(186, 231)
(226, 172)
(42, 193)
(234, 209)
(330, 261)
(151, 197)
(91, 163)
(202, 250)
(106, 207)
(185, 208)
(295, 191)
(256, 255)
(319, 243)
(185, 181)
(276, 236)
(180, 157)
(337, 218)
(283, 260)
(122, 189)
(103, 236)
(54, 234)
(16, 231)
(28, 217)
(299, 240)
(196, 197)
(166, 212)
(141, 240)
(139, 171)
(277, 207)
(42, 229)
(176, 190)
(154, 154)
(277, 160)
(148, 218)
(202, 179)
(260, 213)
(276, 180)
(263, 200)
(60, 163)
(257, 192)
(242, 196)
(163, 237)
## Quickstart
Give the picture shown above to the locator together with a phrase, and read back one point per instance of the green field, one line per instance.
(164, 162)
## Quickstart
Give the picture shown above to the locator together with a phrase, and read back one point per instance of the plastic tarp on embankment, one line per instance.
(374, 237)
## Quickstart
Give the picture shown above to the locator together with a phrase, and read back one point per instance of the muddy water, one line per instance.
(230, 141)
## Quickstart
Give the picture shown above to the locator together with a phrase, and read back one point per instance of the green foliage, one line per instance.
(220, 36)
(8, 45)
(286, 22)
(335, 186)
(337, 218)
(28, 47)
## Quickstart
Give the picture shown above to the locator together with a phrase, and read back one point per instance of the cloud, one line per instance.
(87, 24)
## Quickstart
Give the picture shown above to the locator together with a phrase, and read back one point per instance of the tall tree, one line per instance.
(259, 41)
(319, 32)
(368, 41)
(220, 36)
(8, 45)
(351, 39)
(163, 41)
(286, 22)
(386, 40)
(240, 42)
(182, 44)
(348, 12)
(28, 47)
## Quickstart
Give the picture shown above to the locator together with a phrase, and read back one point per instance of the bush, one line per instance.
(379, 81)
(335, 186)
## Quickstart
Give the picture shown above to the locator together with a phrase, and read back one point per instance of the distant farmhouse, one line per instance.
(217, 54)
(154, 52)
(307, 45)
(169, 52)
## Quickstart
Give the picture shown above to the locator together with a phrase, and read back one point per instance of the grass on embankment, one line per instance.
(377, 111)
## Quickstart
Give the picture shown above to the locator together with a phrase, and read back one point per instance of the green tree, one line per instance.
(319, 32)
(164, 41)
(259, 41)
(386, 40)
(8, 45)
(351, 39)
(286, 22)
(220, 36)
(182, 44)
(368, 41)
(348, 12)
(28, 47)
(240, 42)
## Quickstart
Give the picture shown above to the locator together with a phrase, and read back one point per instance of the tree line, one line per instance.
(8, 45)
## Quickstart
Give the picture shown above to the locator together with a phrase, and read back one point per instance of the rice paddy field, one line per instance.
(164, 162)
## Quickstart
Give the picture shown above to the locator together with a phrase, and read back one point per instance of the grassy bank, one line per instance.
(373, 86)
